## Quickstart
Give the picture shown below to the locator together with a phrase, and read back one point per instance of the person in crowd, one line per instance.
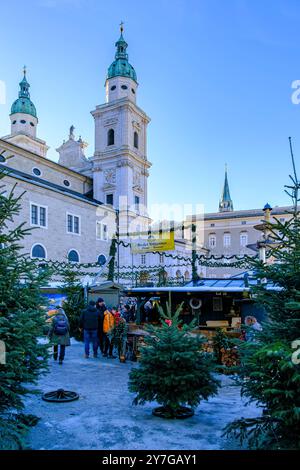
(108, 326)
(148, 311)
(126, 313)
(59, 334)
(253, 326)
(116, 315)
(89, 321)
(120, 338)
(101, 307)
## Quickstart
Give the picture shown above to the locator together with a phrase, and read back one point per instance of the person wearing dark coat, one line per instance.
(59, 334)
(89, 321)
(101, 307)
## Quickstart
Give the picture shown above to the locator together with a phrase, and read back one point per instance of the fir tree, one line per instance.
(21, 316)
(270, 373)
(74, 302)
(173, 370)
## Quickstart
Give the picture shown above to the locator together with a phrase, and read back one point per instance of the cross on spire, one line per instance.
(122, 27)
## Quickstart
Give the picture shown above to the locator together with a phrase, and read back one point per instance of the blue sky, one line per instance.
(214, 76)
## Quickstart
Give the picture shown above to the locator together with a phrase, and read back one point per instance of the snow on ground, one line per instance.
(104, 417)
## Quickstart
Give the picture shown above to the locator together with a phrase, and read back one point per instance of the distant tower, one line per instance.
(120, 165)
(23, 112)
(24, 122)
(225, 204)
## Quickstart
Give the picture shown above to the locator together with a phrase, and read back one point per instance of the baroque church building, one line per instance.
(78, 204)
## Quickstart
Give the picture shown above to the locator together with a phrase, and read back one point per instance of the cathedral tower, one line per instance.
(24, 122)
(120, 165)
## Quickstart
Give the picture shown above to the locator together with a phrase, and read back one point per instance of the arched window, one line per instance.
(136, 140)
(101, 260)
(212, 240)
(243, 239)
(178, 274)
(38, 251)
(73, 256)
(111, 137)
(187, 275)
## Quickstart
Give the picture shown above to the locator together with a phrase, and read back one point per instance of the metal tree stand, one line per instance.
(60, 396)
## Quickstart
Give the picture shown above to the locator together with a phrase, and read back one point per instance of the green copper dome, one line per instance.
(24, 104)
(120, 66)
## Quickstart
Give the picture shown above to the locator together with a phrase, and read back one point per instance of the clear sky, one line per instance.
(214, 76)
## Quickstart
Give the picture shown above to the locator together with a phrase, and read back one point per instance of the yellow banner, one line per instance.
(156, 242)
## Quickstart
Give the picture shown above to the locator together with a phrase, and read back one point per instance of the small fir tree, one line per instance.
(173, 370)
(21, 317)
(74, 302)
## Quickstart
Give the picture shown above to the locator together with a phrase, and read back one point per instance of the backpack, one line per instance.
(108, 322)
(60, 325)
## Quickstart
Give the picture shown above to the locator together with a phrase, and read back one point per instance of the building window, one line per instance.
(136, 140)
(143, 259)
(23, 121)
(137, 202)
(31, 123)
(101, 231)
(244, 222)
(113, 87)
(101, 260)
(161, 258)
(38, 215)
(111, 137)
(282, 219)
(67, 183)
(212, 225)
(212, 240)
(38, 251)
(73, 256)
(14, 122)
(226, 239)
(110, 199)
(243, 239)
(133, 91)
(73, 224)
(36, 172)
(124, 87)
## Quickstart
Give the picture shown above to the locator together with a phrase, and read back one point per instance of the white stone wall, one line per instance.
(55, 238)
(49, 171)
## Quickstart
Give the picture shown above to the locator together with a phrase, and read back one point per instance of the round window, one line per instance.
(14, 122)
(66, 183)
(113, 87)
(23, 121)
(32, 124)
(101, 260)
(133, 91)
(2, 159)
(124, 87)
(36, 172)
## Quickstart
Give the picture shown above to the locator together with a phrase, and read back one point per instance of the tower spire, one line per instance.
(225, 204)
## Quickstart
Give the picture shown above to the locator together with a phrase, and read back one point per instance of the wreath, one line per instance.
(195, 303)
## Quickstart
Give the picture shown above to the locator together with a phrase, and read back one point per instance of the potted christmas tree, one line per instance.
(173, 371)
